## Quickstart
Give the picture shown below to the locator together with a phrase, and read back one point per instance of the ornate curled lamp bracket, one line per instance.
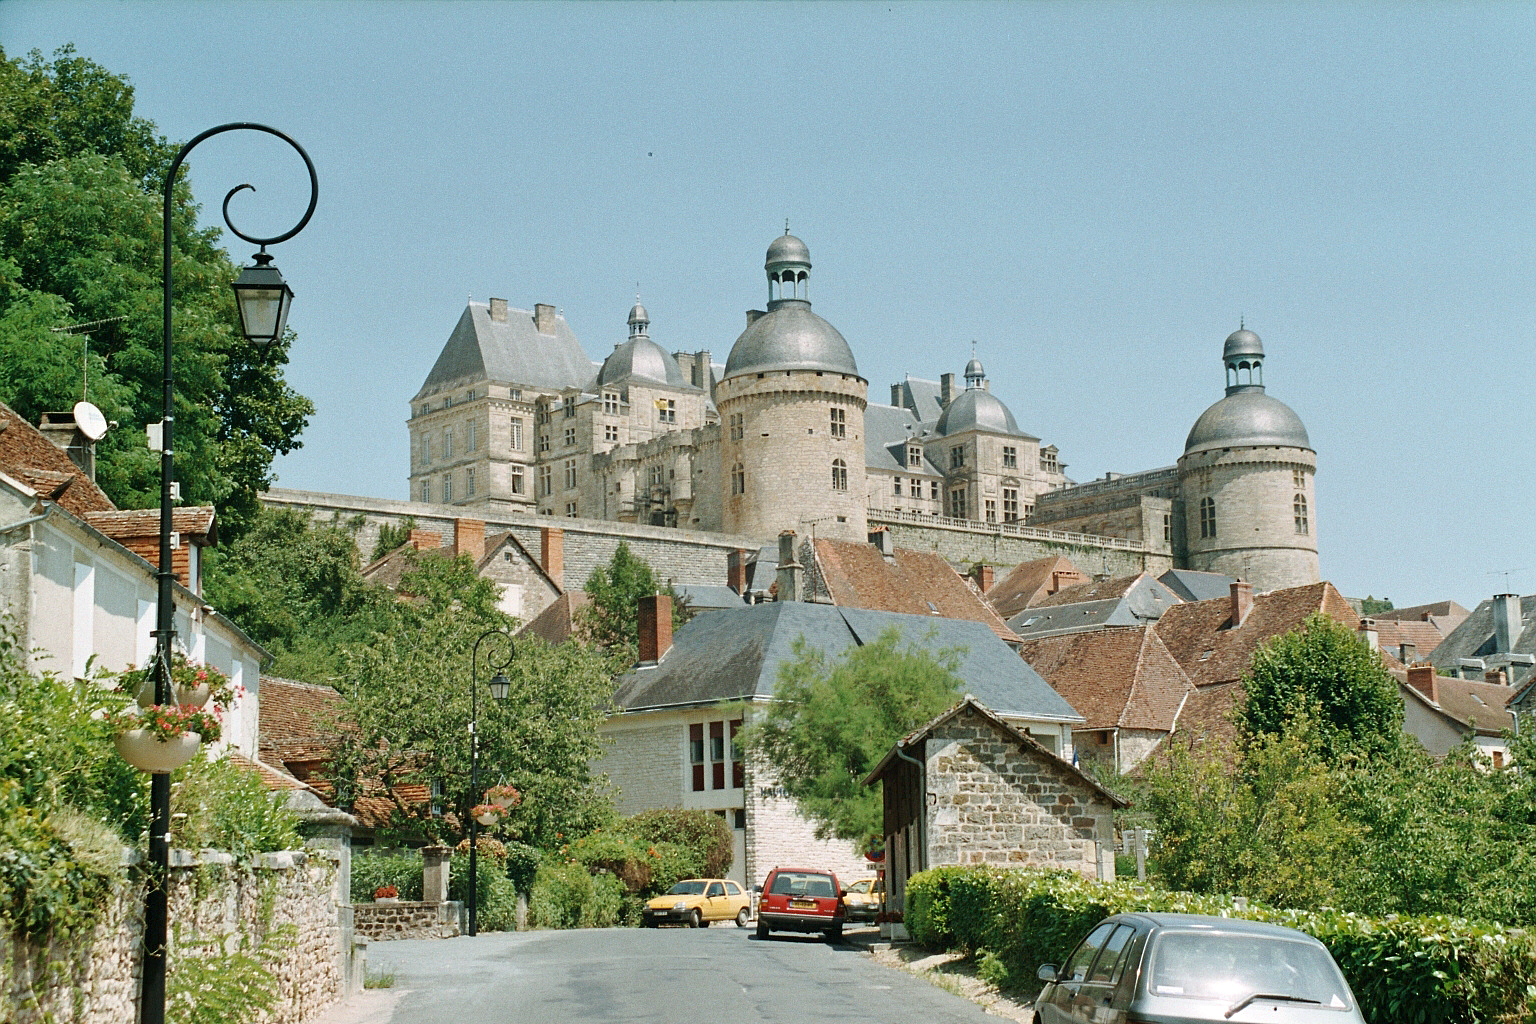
(497, 667)
(314, 181)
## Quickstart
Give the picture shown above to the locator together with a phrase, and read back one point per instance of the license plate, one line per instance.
(802, 904)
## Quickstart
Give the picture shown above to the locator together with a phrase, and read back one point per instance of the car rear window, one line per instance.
(802, 883)
(1212, 965)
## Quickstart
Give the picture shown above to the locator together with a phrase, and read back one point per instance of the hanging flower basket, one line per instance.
(163, 737)
(507, 796)
(487, 814)
(191, 684)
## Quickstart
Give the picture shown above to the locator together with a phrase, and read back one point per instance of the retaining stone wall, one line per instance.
(406, 920)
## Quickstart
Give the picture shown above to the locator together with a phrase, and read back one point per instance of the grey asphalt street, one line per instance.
(668, 976)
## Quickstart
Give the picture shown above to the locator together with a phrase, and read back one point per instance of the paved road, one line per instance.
(666, 976)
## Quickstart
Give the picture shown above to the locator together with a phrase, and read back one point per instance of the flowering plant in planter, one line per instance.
(166, 722)
(487, 814)
(386, 892)
(193, 684)
(507, 796)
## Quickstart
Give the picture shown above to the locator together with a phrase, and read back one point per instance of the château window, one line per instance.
(570, 510)
(1010, 504)
(517, 479)
(543, 443)
(657, 478)
(738, 426)
(991, 511)
(516, 394)
(839, 475)
(426, 490)
(448, 444)
(611, 433)
(1010, 457)
(570, 473)
(1167, 527)
(546, 481)
(1207, 517)
(957, 503)
(1048, 462)
(570, 437)
(1300, 508)
(896, 487)
(447, 486)
(568, 406)
(738, 479)
(610, 403)
(957, 457)
(839, 422)
(666, 410)
(914, 455)
(541, 414)
(470, 439)
(517, 433)
(933, 490)
(1299, 479)
(469, 483)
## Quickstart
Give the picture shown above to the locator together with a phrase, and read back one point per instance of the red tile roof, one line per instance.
(196, 521)
(1475, 704)
(557, 621)
(26, 455)
(1029, 582)
(1100, 590)
(912, 582)
(297, 720)
(1115, 678)
(1393, 633)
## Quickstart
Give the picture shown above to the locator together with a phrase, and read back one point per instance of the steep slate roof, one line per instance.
(1145, 596)
(886, 431)
(1027, 583)
(1197, 586)
(1474, 638)
(973, 706)
(1032, 623)
(922, 397)
(510, 351)
(913, 582)
(707, 597)
(1117, 678)
(30, 458)
(735, 656)
(1199, 636)
(1475, 705)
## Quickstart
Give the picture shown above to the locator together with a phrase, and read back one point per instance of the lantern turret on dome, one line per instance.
(639, 320)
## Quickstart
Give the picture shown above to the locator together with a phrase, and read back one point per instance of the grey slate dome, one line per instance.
(787, 249)
(1246, 417)
(638, 315)
(790, 337)
(977, 409)
(643, 359)
(1242, 343)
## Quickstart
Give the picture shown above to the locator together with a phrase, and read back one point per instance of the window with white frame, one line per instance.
(839, 475)
(517, 433)
(839, 427)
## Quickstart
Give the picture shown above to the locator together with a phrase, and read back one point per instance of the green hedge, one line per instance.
(566, 896)
(1404, 970)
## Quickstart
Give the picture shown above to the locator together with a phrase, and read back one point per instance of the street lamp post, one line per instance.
(263, 302)
(500, 686)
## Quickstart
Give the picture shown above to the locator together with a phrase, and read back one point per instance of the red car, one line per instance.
(801, 900)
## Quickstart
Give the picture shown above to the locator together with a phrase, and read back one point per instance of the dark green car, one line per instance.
(1185, 968)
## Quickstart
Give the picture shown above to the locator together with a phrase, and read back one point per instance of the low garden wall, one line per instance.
(407, 919)
(270, 924)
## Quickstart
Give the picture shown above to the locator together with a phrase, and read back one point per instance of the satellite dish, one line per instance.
(90, 421)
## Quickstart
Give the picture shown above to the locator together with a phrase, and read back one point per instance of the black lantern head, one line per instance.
(501, 686)
(264, 299)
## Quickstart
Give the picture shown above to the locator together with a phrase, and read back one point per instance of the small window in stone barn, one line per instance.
(696, 754)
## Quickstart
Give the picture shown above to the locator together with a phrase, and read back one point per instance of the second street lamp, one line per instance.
(501, 686)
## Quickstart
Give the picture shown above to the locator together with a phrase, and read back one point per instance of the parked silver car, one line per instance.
(1183, 968)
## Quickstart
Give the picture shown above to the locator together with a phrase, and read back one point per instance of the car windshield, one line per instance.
(692, 887)
(1231, 968)
(860, 886)
(802, 883)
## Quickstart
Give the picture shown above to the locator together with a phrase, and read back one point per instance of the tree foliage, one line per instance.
(833, 720)
(80, 241)
(611, 618)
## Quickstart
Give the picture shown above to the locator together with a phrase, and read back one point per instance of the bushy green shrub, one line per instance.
(221, 806)
(1434, 970)
(706, 835)
(372, 869)
(606, 908)
(559, 893)
(522, 864)
(632, 861)
(495, 894)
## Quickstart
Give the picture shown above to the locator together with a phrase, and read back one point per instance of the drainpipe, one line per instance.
(922, 807)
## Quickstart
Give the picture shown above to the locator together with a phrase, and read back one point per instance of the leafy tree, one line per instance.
(80, 181)
(1375, 605)
(611, 618)
(834, 720)
(392, 536)
(1325, 674)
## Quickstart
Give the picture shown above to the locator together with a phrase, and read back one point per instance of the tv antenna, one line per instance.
(85, 350)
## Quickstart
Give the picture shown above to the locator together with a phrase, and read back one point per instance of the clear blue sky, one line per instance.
(1093, 193)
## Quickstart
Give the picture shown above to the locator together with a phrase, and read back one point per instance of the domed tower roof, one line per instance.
(976, 408)
(640, 357)
(639, 319)
(1246, 417)
(789, 336)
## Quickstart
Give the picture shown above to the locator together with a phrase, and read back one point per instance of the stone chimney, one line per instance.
(425, 540)
(469, 538)
(65, 433)
(655, 621)
(896, 395)
(544, 317)
(946, 388)
(789, 569)
(1242, 601)
(736, 570)
(1422, 678)
(552, 554)
(753, 315)
(981, 572)
(1369, 634)
(499, 310)
(881, 539)
(1496, 676)
(1506, 622)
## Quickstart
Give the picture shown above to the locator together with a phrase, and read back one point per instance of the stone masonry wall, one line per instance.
(405, 920)
(644, 764)
(999, 802)
(95, 981)
(994, 545)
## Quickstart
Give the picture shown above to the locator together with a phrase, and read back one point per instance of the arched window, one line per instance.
(839, 475)
(1299, 506)
(1207, 517)
(738, 479)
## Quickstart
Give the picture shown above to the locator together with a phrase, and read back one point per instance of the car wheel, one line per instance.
(835, 933)
(695, 920)
(742, 917)
(762, 929)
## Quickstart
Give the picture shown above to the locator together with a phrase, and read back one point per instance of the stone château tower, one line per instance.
(791, 406)
(1246, 481)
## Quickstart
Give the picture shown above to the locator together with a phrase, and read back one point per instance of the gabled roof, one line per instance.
(1197, 586)
(556, 623)
(707, 597)
(1027, 583)
(1146, 597)
(886, 432)
(1116, 678)
(1474, 638)
(921, 397)
(1200, 636)
(29, 457)
(1441, 610)
(975, 707)
(735, 655)
(1393, 633)
(912, 582)
(297, 720)
(194, 521)
(497, 542)
(1033, 623)
(1474, 705)
(510, 351)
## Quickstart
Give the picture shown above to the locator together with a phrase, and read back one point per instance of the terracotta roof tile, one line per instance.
(911, 583)
(1475, 704)
(1393, 633)
(193, 520)
(1208, 715)
(270, 777)
(557, 621)
(1030, 582)
(296, 718)
(1115, 678)
(28, 456)
(1093, 590)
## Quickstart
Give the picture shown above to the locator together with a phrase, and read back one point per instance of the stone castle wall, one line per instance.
(95, 980)
(1005, 545)
(1256, 535)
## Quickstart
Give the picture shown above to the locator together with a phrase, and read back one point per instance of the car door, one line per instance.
(716, 908)
(735, 898)
(1094, 1002)
(1073, 973)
